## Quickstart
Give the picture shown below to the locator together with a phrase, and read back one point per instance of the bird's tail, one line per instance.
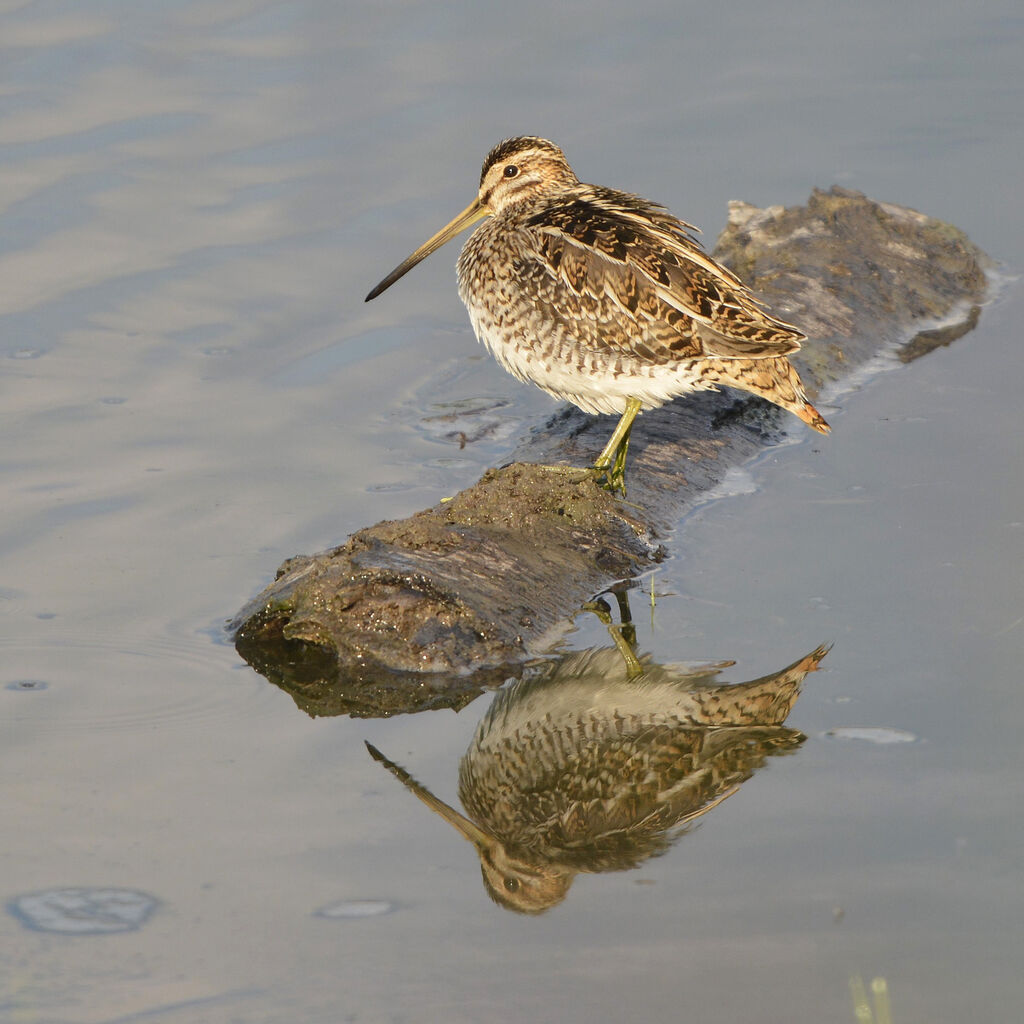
(774, 378)
(811, 417)
(792, 396)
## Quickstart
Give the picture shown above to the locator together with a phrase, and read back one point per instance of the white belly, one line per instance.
(595, 382)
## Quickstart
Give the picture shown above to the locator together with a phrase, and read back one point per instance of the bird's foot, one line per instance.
(611, 469)
(611, 477)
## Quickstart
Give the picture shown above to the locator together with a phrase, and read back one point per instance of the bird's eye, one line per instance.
(511, 884)
(511, 170)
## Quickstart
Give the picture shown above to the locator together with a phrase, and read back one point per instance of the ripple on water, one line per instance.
(75, 911)
(351, 909)
(879, 736)
(118, 683)
(27, 685)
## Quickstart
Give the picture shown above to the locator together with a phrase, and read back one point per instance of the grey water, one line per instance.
(194, 199)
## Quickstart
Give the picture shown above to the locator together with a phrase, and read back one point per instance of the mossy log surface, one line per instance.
(426, 611)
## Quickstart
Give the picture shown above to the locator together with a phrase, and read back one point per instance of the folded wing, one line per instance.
(624, 274)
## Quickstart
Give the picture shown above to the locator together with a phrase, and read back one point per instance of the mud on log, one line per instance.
(425, 611)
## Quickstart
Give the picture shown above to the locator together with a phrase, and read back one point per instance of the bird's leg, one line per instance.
(625, 644)
(619, 435)
(611, 463)
(618, 474)
(626, 617)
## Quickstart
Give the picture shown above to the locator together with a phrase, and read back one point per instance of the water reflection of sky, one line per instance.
(194, 199)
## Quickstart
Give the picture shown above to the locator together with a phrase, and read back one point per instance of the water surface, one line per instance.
(194, 198)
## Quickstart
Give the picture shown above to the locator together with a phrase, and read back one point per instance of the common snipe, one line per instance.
(605, 299)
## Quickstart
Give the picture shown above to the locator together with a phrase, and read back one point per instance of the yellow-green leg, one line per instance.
(623, 635)
(611, 463)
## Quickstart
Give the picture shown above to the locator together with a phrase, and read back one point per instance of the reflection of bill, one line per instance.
(595, 768)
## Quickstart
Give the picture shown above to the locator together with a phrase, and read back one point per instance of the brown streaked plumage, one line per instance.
(596, 768)
(605, 299)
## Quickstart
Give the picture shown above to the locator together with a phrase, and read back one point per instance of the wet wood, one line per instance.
(425, 611)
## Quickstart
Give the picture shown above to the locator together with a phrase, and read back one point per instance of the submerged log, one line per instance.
(425, 611)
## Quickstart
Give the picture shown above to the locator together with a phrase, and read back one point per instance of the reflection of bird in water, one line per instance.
(606, 300)
(595, 769)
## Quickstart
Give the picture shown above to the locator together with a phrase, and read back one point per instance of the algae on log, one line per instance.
(426, 611)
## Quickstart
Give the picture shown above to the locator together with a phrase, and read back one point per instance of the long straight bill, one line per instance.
(469, 215)
(468, 829)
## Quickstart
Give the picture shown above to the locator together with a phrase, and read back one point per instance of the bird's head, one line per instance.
(522, 168)
(515, 170)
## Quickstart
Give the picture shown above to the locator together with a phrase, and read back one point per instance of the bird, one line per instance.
(605, 299)
(595, 767)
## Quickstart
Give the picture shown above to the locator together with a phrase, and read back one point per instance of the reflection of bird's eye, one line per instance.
(512, 884)
(510, 172)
